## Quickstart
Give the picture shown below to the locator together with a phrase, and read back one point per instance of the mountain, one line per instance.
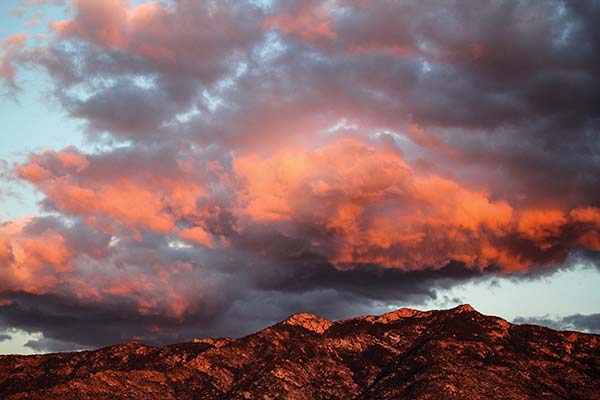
(406, 354)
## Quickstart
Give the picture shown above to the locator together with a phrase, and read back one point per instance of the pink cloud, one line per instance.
(101, 21)
(33, 259)
(363, 202)
(76, 187)
(12, 47)
(170, 37)
(6, 254)
(310, 22)
(376, 209)
(198, 235)
(48, 261)
(16, 40)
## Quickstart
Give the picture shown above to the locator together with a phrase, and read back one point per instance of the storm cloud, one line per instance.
(253, 159)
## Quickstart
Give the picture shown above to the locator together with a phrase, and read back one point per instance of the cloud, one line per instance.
(359, 204)
(79, 186)
(577, 322)
(164, 54)
(590, 323)
(149, 290)
(247, 161)
(235, 301)
(309, 21)
(350, 202)
(11, 47)
(179, 244)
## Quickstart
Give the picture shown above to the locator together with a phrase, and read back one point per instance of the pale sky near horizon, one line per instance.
(112, 261)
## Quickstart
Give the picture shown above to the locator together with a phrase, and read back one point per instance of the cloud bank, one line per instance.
(587, 323)
(251, 159)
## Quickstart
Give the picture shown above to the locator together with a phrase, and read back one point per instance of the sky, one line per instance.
(178, 169)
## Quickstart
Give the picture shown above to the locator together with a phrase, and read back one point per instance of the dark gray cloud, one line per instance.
(226, 292)
(589, 323)
(576, 322)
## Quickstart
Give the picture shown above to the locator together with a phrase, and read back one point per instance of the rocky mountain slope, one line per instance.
(405, 354)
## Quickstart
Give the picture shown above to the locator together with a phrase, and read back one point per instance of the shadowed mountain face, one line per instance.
(450, 354)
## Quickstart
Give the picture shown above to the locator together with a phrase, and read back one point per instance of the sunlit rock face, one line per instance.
(450, 354)
(308, 321)
(397, 315)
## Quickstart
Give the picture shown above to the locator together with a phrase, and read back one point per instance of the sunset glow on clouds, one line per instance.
(326, 155)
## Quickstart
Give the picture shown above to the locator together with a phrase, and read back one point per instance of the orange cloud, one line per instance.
(31, 261)
(38, 170)
(376, 209)
(350, 202)
(72, 160)
(123, 202)
(360, 203)
(6, 254)
(47, 249)
(146, 202)
(12, 47)
(47, 261)
(539, 225)
(16, 40)
(33, 172)
(586, 217)
(198, 235)
(102, 21)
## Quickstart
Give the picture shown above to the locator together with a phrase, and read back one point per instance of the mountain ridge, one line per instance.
(406, 353)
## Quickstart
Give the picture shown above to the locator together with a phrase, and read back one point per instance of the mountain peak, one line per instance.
(463, 308)
(309, 321)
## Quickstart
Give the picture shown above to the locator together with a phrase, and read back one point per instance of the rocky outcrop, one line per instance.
(310, 322)
(450, 354)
